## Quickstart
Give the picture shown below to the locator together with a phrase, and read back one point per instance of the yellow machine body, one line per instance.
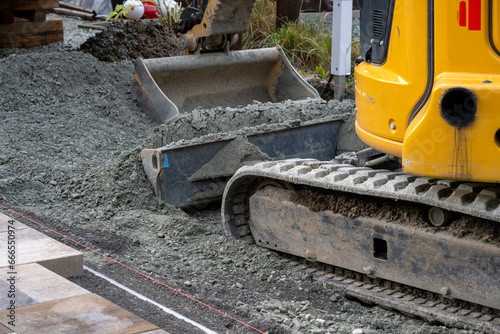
(435, 99)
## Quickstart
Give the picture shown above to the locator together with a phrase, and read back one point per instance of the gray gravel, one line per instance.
(73, 35)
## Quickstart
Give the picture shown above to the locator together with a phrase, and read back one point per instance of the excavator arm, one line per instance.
(215, 25)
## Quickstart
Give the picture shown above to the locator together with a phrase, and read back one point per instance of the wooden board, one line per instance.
(27, 5)
(28, 34)
(75, 7)
(101, 25)
(73, 12)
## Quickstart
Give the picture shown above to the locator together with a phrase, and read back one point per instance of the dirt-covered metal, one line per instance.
(196, 174)
(430, 307)
(222, 20)
(167, 88)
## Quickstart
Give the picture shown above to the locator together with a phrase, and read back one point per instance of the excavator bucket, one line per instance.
(168, 88)
(195, 174)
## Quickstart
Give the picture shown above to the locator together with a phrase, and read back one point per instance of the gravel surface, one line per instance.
(70, 159)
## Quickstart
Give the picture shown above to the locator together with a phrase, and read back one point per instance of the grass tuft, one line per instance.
(307, 44)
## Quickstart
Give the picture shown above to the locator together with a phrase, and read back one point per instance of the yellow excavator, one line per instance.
(424, 237)
(429, 90)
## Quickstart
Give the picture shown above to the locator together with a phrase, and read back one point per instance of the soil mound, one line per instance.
(133, 39)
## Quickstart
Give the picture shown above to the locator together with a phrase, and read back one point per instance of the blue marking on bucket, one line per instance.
(165, 158)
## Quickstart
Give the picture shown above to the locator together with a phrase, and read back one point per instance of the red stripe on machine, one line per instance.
(474, 14)
(463, 14)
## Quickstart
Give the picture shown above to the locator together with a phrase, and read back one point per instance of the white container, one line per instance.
(169, 7)
(135, 11)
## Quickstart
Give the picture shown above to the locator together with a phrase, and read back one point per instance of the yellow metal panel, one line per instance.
(463, 58)
(380, 143)
(460, 48)
(386, 94)
(434, 148)
(496, 23)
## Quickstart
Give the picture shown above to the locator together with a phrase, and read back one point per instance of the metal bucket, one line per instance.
(168, 88)
(191, 174)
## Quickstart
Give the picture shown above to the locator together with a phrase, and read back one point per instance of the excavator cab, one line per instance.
(428, 90)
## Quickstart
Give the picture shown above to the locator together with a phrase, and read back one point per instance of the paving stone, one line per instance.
(4, 223)
(83, 314)
(5, 330)
(20, 299)
(40, 284)
(33, 246)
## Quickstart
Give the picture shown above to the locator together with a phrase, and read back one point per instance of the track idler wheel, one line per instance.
(440, 217)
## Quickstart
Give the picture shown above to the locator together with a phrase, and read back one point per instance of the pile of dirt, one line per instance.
(49, 152)
(250, 119)
(57, 126)
(131, 40)
(51, 162)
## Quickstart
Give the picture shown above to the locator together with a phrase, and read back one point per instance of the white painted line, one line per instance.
(138, 295)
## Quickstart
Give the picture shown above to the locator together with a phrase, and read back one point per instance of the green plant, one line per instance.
(306, 44)
(263, 22)
(119, 12)
(324, 74)
(172, 16)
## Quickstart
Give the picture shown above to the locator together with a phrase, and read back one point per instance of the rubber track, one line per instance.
(480, 200)
(432, 309)
(475, 199)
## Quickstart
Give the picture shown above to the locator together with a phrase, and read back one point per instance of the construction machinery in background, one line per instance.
(167, 88)
(210, 75)
(424, 236)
